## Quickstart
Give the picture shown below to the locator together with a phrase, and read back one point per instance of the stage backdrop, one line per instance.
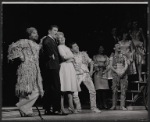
(87, 24)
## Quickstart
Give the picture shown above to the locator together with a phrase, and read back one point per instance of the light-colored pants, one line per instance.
(25, 105)
(90, 86)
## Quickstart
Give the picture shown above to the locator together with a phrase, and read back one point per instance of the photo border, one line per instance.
(1, 39)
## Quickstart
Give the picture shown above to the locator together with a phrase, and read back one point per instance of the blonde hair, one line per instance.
(58, 34)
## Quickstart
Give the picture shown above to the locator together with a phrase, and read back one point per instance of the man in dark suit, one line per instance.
(51, 80)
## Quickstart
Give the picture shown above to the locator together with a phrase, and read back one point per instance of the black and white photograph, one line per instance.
(75, 61)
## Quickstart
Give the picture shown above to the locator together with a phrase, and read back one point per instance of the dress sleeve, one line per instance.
(63, 54)
(15, 50)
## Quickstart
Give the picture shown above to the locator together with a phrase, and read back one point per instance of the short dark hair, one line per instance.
(71, 43)
(53, 26)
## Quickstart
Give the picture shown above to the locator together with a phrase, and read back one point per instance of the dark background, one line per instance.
(87, 24)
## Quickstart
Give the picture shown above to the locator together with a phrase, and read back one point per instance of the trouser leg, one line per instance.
(76, 100)
(26, 104)
(90, 86)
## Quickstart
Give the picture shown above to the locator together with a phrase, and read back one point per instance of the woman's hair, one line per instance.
(59, 33)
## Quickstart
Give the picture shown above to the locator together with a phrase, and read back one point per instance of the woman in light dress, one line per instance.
(101, 63)
(126, 48)
(68, 78)
(29, 83)
(139, 45)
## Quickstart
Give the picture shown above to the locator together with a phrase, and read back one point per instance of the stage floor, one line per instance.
(11, 113)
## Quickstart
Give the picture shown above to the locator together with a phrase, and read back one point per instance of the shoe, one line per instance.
(73, 111)
(105, 106)
(100, 107)
(78, 110)
(96, 110)
(22, 114)
(59, 113)
(113, 108)
(29, 115)
(123, 108)
(64, 111)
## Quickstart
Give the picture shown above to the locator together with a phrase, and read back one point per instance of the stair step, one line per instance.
(144, 73)
(136, 107)
(132, 107)
(132, 91)
(126, 100)
(138, 82)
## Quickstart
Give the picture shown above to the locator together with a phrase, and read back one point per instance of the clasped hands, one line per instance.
(120, 72)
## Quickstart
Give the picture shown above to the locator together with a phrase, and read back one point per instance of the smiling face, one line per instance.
(34, 35)
(117, 48)
(101, 49)
(61, 39)
(75, 48)
(53, 32)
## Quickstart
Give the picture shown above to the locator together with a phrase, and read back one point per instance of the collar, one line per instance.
(51, 37)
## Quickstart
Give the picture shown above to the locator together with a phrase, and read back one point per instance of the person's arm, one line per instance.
(111, 66)
(126, 65)
(132, 51)
(15, 50)
(48, 47)
(143, 37)
(90, 62)
(107, 64)
(95, 64)
(67, 58)
(91, 68)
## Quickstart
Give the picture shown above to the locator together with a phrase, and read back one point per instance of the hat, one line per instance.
(30, 30)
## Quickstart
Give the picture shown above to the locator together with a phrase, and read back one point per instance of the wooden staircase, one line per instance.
(135, 95)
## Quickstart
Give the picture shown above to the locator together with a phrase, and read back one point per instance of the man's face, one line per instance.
(34, 35)
(125, 35)
(135, 23)
(53, 32)
(117, 48)
(101, 49)
(75, 48)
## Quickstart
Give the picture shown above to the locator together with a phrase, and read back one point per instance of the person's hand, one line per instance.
(22, 58)
(120, 73)
(53, 56)
(41, 93)
(91, 73)
(70, 60)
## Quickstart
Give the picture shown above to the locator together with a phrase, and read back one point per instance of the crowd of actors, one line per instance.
(65, 67)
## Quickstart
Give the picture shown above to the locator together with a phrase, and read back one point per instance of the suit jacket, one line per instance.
(50, 48)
